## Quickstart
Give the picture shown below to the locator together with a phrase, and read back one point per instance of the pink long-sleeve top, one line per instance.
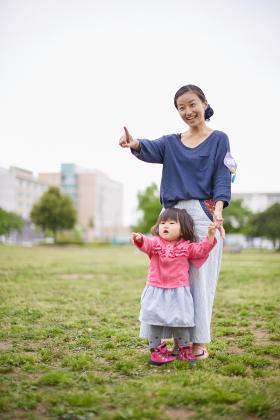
(169, 261)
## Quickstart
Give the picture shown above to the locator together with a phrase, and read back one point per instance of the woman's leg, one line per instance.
(203, 281)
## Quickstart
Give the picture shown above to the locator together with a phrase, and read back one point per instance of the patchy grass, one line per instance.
(69, 345)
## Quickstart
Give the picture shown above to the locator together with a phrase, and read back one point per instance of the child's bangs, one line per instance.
(169, 214)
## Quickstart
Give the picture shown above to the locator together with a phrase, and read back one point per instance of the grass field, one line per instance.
(69, 346)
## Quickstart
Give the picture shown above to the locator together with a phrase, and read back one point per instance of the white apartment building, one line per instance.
(19, 190)
(97, 198)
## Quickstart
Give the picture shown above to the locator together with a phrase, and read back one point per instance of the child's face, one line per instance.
(169, 230)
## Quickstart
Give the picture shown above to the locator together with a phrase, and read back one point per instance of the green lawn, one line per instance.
(69, 346)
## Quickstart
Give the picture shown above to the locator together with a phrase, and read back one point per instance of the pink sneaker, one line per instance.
(186, 354)
(160, 355)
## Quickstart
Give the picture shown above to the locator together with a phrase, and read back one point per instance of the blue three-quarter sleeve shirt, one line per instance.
(197, 173)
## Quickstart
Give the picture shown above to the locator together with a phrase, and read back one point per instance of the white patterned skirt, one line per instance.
(167, 307)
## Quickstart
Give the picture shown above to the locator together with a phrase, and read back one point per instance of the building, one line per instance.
(19, 190)
(257, 201)
(97, 198)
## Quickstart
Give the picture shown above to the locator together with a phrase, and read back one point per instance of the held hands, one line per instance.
(136, 237)
(218, 218)
(127, 140)
(212, 229)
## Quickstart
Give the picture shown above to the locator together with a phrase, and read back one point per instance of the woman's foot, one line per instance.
(200, 351)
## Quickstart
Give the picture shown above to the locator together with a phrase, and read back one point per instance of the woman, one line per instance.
(194, 177)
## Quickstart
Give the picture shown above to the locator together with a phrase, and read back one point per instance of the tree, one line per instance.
(266, 224)
(150, 206)
(9, 221)
(236, 217)
(54, 211)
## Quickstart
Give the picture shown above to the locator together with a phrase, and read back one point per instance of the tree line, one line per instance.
(55, 212)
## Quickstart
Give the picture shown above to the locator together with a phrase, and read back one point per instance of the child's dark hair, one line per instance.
(178, 215)
(195, 89)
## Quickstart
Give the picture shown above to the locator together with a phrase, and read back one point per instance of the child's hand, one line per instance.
(212, 229)
(137, 237)
(217, 216)
(222, 231)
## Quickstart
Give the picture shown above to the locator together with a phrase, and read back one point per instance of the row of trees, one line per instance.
(53, 212)
(9, 221)
(237, 217)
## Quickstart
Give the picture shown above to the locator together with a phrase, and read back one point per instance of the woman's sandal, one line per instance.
(201, 354)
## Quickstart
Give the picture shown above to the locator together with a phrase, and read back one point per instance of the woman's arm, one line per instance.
(221, 175)
(127, 140)
(151, 151)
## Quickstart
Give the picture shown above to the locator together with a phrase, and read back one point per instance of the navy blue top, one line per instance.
(197, 173)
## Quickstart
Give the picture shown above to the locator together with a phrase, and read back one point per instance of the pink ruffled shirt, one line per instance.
(169, 261)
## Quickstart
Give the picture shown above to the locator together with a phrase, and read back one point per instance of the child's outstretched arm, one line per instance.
(137, 238)
(142, 242)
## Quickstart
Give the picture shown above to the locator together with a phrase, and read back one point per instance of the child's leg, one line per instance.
(181, 336)
(159, 352)
(185, 351)
(154, 336)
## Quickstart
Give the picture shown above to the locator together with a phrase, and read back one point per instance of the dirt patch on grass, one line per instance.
(41, 411)
(6, 273)
(235, 349)
(261, 336)
(179, 413)
(6, 345)
(77, 276)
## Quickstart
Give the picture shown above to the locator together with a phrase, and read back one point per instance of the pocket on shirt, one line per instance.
(202, 162)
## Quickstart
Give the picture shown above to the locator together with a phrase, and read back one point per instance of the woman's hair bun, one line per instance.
(208, 113)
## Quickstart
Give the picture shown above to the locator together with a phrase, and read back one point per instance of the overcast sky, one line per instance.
(73, 72)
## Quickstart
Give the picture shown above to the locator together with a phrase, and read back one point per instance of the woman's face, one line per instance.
(191, 109)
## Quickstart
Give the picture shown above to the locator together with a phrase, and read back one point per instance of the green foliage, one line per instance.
(54, 211)
(150, 206)
(9, 221)
(69, 237)
(236, 217)
(267, 223)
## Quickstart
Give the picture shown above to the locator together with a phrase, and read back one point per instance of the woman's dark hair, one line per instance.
(178, 215)
(192, 88)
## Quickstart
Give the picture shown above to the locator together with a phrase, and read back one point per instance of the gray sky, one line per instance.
(72, 73)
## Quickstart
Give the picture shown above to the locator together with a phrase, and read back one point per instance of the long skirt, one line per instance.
(203, 280)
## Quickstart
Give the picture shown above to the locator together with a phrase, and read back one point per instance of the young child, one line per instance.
(166, 300)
